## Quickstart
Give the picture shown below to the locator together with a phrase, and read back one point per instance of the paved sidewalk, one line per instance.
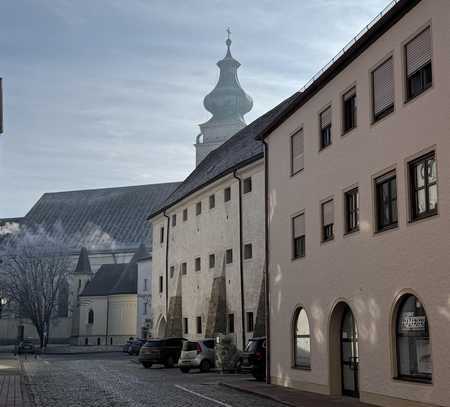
(291, 397)
(54, 349)
(13, 389)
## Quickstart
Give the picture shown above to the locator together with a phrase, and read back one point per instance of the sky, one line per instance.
(105, 93)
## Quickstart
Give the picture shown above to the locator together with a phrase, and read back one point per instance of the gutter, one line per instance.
(266, 260)
(167, 264)
(241, 262)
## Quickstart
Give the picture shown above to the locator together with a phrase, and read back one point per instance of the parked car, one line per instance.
(164, 351)
(197, 355)
(253, 359)
(126, 347)
(135, 346)
(23, 347)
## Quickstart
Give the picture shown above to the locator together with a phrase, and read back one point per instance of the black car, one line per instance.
(164, 351)
(135, 346)
(126, 347)
(23, 347)
(253, 359)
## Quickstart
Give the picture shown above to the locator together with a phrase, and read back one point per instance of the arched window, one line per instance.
(302, 340)
(413, 340)
(91, 317)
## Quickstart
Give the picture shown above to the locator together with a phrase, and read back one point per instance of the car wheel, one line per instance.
(169, 362)
(205, 366)
(147, 365)
(185, 369)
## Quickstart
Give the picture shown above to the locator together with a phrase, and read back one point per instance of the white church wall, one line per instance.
(144, 311)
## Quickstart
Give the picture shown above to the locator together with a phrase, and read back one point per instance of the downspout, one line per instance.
(266, 268)
(107, 320)
(167, 266)
(241, 263)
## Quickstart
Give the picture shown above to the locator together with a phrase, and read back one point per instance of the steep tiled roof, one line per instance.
(109, 218)
(104, 280)
(238, 151)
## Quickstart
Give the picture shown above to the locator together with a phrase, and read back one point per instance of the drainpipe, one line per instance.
(266, 268)
(107, 320)
(167, 265)
(241, 264)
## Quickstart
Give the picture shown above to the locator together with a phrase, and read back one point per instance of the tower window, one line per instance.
(227, 194)
(247, 185)
(185, 215)
(212, 201)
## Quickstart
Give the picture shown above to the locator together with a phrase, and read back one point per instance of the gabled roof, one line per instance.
(238, 151)
(104, 280)
(100, 219)
(361, 43)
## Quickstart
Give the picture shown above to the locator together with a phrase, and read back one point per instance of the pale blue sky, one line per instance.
(102, 93)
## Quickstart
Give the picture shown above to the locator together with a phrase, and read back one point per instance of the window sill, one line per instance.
(383, 115)
(409, 379)
(347, 132)
(352, 232)
(412, 98)
(293, 174)
(298, 258)
(386, 228)
(325, 241)
(423, 217)
(302, 368)
(322, 148)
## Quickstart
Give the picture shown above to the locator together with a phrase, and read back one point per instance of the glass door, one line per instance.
(349, 355)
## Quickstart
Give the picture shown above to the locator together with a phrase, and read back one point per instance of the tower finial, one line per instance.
(228, 41)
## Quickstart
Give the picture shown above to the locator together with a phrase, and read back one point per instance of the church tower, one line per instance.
(228, 103)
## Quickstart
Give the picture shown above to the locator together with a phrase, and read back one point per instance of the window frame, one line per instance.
(91, 317)
(250, 321)
(174, 220)
(353, 97)
(298, 133)
(185, 214)
(230, 323)
(227, 194)
(391, 108)
(198, 208)
(198, 264)
(183, 268)
(171, 271)
(229, 256)
(247, 185)
(325, 237)
(295, 337)
(212, 264)
(378, 181)
(248, 251)
(413, 188)
(198, 324)
(212, 201)
(348, 213)
(185, 325)
(301, 238)
(327, 129)
(161, 235)
(161, 284)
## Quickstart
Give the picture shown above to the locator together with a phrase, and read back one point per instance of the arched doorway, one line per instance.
(349, 355)
(344, 353)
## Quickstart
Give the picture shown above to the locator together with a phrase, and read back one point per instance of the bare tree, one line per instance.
(34, 268)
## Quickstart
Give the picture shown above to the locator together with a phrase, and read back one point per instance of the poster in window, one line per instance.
(423, 351)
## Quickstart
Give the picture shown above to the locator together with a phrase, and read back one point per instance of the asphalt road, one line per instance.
(116, 380)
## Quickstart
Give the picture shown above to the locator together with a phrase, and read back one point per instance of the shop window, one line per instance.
(414, 360)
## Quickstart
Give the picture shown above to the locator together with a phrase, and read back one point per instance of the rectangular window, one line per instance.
(161, 235)
(198, 263)
(212, 261)
(418, 64)
(212, 201)
(327, 220)
(145, 284)
(230, 323)
(145, 308)
(297, 152)
(386, 201)
(351, 210)
(227, 194)
(185, 326)
(383, 89)
(298, 231)
(349, 113)
(250, 323)
(248, 251)
(185, 215)
(199, 325)
(172, 271)
(247, 185)
(183, 269)
(161, 284)
(198, 208)
(325, 128)
(174, 220)
(423, 179)
(229, 256)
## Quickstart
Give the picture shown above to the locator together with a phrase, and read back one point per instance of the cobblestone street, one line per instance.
(115, 380)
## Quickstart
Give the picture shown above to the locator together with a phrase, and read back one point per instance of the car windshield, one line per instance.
(251, 346)
(153, 344)
(210, 344)
(189, 346)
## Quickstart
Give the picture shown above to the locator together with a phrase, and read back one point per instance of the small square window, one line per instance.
(227, 194)
(248, 251)
(351, 203)
(185, 326)
(325, 128)
(198, 208)
(183, 269)
(247, 185)
(212, 261)
(199, 325)
(172, 271)
(349, 112)
(328, 221)
(185, 215)
(198, 263)
(250, 323)
(212, 201)
(174, 220)
(229, 256)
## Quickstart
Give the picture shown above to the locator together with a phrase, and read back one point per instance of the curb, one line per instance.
(79, 353)
(256, 393)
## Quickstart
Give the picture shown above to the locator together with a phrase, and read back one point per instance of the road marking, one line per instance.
(202, 396)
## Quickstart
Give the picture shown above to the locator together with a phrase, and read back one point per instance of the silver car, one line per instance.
(197, 355)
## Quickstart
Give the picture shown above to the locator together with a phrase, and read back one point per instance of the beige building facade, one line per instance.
(358, 215)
